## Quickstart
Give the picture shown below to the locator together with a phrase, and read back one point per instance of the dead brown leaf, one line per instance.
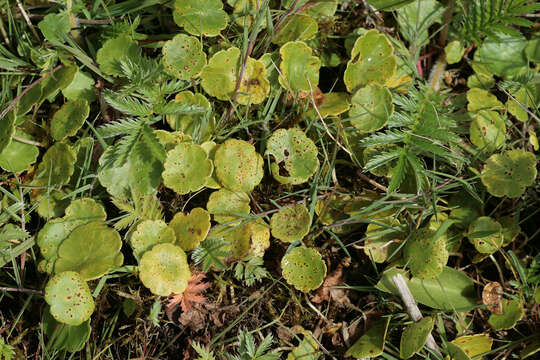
(190, 296)
(492, 296)
(328, 291)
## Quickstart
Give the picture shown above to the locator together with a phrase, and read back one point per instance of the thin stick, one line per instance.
(27, 19)
(412, 308)
(22, 290)
(27, 141)
(372, 182)
(16, 100)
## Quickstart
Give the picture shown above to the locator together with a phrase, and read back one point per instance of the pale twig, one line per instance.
(27, 141)
(412, 308)
(22, 290)
(27, 19)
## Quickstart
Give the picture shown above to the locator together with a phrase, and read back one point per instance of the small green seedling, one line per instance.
(291, 223)
(91, 250)
(299, 68)
(164, 270)
(187, 168)
(486, 235)
(371, 108)
(70, 299)
(227, 205)
(294, 154)
(371, 344)
(149, 233)
(18, 156)
(69, 119)
(372, 60)
(487, 130)
(200, 17)
(426, 255)
(190, 229)
(414, 337)
(113, 51)
(303, 268)
(511, 314)
(509, 173)
(183, 57)
(238, 166)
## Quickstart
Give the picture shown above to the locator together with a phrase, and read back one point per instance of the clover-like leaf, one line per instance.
(91, 250)
(486, 235)
(426, 255)
(227, 205)
(187, 168)
(510, 173)
(371, 344)
(480, 99)
(82, 87)
(381, 240)
(372, 60)
(238, 166)
(512, 313)
(487, 130)
(69, 118)
(296, 27)
(295, 156)
(149, 233)
(503, 54)
(189, 123)
(299, 68)
(414, 337)
(371, 108)
(18, 156)
(183, 56)
(303, 268)
(200, 17)
(69, 297)
(254, 87)
(56, 166)
(454, 52)
(164, 270)
(291, 223)
(219, 76)
(190, 229)
(115, 50)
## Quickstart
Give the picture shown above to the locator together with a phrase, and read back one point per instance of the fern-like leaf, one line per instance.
(121, 127)
(128, 105)
(382, 159)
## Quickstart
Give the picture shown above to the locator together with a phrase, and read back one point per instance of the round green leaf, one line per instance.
(299, 68)
(382, 241)
(121, 48)
(372, 60)
(149, 233)
(52, 204)
(485, 234)
(480, 99)
(235, 239)
(164, 270)
(474, 345)
(57, 165)
(190, 229)
(82, 87)
(414, 337)
(294, 155)
(226, 205)
(70, 299)
(512, 313)
(55, 27)
(65, 337)
(334, 104)
(291, 223)
(454, 52)
(425, 255)
(303, 268)
(69, 118)
(371, 108)
(510, 173)
(371, 344)
(183, 56)
(255, 86)
(91, 249)
(296, 27)
(187, 168)
(503, 55)
(487, 130)
(61, 79)
(18, 156)
(510, 229)
(190, 123)
(219, 76)
(200, 17)
(260, 237)
(238, 166)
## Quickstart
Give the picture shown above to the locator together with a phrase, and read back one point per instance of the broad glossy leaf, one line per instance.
(149, 233)
(219, 76)
(425, 255)
(227, 205)
(474, 345)
(238, 166)
(487, 130)
(82, 87)
(503, 55)
(55, 27)
(454, 52)
(56, 166)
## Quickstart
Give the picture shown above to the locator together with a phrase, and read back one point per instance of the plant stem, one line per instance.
(21, 290)
(27, 141)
